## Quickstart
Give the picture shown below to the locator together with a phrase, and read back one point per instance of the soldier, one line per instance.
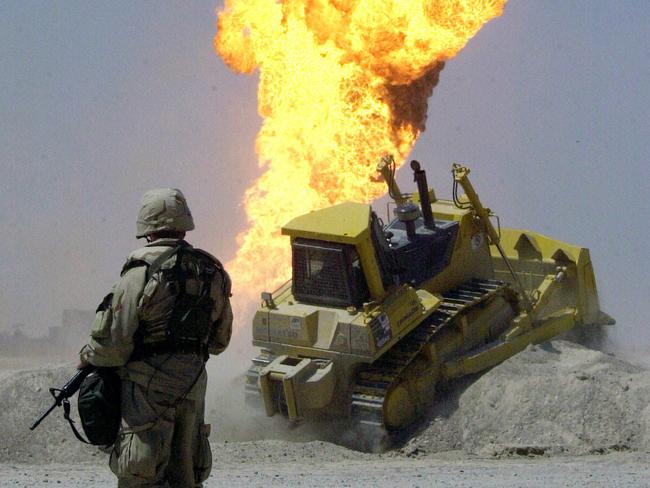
(168, 312)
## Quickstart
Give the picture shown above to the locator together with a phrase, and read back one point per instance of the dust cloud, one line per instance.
(231, 416)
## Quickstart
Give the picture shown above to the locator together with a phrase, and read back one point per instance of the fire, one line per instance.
(342, 82)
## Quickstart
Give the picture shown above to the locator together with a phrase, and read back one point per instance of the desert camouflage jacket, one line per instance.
(112, 337)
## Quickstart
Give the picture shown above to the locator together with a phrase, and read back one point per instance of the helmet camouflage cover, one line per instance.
(163, 209)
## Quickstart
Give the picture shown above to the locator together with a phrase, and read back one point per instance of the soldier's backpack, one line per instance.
(177, 304)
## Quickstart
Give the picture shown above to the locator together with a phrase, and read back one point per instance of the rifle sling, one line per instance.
(66, 415)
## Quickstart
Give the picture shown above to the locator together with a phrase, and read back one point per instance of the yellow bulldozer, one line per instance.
(376, 317)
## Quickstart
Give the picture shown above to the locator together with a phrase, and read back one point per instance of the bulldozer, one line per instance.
(376, 317)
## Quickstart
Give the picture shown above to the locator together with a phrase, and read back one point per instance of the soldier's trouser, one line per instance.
(163, 442)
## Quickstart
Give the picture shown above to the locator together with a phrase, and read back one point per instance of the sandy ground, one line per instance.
(618, 469)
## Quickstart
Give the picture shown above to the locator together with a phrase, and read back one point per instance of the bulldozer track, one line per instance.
(374, 382)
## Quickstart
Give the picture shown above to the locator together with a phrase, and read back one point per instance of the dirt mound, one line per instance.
(23, 397)
(558, 397)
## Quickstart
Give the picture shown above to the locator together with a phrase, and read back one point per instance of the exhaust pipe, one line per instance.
(420, 178)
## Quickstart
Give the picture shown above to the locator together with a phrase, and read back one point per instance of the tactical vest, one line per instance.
(176, 314)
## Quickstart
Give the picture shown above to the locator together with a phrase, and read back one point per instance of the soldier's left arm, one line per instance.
(111, 340)
(222, 325)
(222, 330)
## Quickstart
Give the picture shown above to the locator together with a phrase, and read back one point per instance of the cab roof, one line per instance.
(344, 223)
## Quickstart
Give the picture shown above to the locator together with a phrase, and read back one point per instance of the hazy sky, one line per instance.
(100, 101)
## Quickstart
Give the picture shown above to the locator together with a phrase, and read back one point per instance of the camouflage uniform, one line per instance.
(163, 440)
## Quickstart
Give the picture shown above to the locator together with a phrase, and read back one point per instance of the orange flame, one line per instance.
(342, 82)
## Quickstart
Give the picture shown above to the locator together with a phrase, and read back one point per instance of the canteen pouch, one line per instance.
(99, 405)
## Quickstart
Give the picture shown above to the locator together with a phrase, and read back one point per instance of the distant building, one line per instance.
(73, 331)
(62, 341)
(80, 319)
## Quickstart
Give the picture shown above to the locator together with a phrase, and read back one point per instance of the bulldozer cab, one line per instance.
(332, 274)
(326, 273)
(344, 256)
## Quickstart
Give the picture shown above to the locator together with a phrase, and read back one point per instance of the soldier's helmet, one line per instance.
(163, 209)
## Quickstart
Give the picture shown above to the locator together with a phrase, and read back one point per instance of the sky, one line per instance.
(101, 101)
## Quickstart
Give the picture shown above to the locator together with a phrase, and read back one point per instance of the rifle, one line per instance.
(62, 395)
